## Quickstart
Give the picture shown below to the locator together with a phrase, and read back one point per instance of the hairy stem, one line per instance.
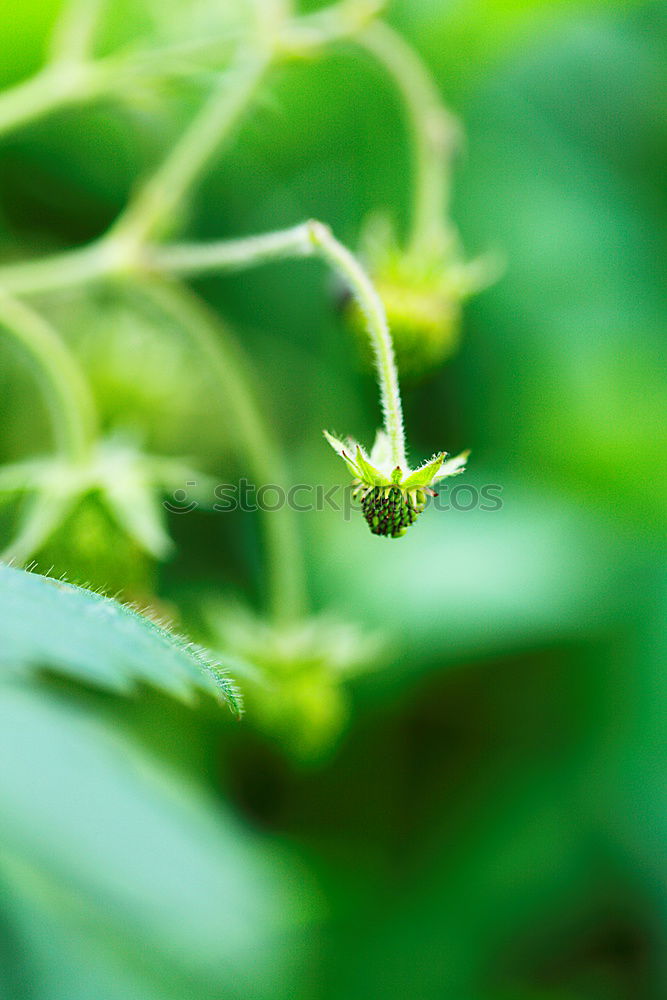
(285, 573)
(69, 399)
(310, 239)
(307, 240)
(348, 267)
(230, 255)
(433, 129)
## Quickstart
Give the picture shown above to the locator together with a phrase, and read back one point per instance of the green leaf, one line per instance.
(135, 872)
(49, 623)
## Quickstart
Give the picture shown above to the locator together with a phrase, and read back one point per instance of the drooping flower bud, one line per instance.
(101, 521)
(293, 674)
(391, 497)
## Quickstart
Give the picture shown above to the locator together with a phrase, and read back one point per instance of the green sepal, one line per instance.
(452, 467)
(425, 474)
(139, 513)
(368, 474)
(343, 451)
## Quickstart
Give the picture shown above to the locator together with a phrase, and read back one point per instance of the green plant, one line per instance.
(95, 639)
(449, 775)
(90, 473)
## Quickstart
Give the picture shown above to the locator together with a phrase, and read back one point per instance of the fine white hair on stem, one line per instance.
(310, 239)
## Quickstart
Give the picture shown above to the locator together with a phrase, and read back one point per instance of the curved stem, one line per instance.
(307, 34)
(53, 87)
(65, 388)
(285, 572)
(230, 255)
(433, 129)
(348, 267)
(70, 269)
(307, 240)
(43, 515)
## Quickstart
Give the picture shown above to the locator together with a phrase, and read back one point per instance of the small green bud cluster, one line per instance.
(294, 674)
(389, 510)
(392, 496)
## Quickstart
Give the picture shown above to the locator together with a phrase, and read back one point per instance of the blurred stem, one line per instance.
(150, 211)
(43, 515)
(54, 87)
(433, 130)
(308, 34)
(74, 33)
(70, 269)
(307, 240)
(310, 239)
(345, 263)
(68, 81)
(71, 77)
(65, 388)
(285, 572)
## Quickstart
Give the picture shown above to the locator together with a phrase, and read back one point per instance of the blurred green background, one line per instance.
(490, 823)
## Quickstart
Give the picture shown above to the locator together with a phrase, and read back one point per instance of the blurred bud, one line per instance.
(92, 548)
(143, 372)
(423, 291)
(101, 521)
(293, 675)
